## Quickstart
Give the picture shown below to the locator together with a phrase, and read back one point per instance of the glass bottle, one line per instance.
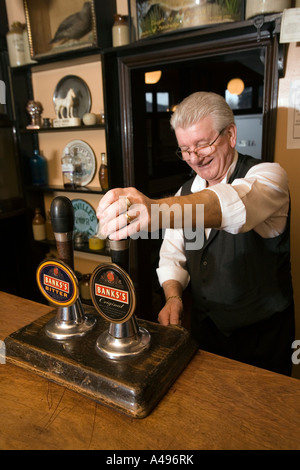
(15, 45)
(38, 225)
(103, 173)
(78, 168)
(67, 166)
(120, 31)
(38, 169)
(49, 228)
(84, 287)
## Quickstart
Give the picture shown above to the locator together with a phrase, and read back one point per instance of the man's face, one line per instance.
(214, 166)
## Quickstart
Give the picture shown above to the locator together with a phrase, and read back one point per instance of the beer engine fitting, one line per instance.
(62, 219)
(124, 338)
(70, 321)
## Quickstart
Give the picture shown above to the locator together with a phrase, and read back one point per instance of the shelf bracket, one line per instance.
(258, 23)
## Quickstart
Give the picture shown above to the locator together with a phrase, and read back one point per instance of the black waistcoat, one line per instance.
(238, 280)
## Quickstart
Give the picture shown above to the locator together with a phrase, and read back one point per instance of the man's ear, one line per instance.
(232, 134)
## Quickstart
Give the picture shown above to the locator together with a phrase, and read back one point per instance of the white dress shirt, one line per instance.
(259, 201)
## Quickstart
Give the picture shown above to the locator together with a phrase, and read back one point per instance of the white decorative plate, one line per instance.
(87, 157)
(85, 219)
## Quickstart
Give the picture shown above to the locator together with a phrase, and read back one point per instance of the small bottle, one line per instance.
(38, 169)
(46, 123)
(78, 168)
(120, 31)
(96, 243)
(15, 45)
(84, 287)
(49, 229)
(103, 173)
(67, 167)
(38, 225)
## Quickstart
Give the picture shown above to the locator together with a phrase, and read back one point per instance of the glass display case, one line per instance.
(159, 17)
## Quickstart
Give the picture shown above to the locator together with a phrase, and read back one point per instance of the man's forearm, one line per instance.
(119, 220)
(176, 219)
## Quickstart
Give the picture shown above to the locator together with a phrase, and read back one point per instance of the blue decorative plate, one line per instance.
(85, 220)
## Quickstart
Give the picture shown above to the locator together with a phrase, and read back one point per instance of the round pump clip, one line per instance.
(57, 282)
(113, 293)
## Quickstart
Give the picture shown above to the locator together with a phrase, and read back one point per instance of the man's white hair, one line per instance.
(198, 106)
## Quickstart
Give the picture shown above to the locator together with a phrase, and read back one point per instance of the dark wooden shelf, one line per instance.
(80, 189)
(83, 249)
(56, 59)
(63, 129)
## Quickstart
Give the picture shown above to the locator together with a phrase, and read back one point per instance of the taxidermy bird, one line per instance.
(75, 26)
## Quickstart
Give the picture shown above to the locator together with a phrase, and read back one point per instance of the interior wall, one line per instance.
(15, 11)
(289, 159)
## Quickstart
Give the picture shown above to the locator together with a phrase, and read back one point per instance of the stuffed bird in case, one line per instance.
(75, 26)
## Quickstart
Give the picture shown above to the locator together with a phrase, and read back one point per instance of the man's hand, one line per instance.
(123, 212)
(171, 313)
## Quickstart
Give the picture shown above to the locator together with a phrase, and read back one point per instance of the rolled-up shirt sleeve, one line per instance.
(172, 262)
(259, 202)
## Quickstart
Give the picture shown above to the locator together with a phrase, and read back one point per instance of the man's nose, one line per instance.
(194, 157)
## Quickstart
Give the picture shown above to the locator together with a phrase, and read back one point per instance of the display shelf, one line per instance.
(63, 129)
(48, 63)
(58, 188)
(83, 249)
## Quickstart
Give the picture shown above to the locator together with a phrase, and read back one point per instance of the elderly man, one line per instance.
(240, 278)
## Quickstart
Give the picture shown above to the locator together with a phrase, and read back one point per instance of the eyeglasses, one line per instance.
(202, 151)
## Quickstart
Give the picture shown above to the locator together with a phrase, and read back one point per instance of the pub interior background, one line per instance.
(16, 234)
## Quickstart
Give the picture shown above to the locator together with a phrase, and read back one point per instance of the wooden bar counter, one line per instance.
(215, 403)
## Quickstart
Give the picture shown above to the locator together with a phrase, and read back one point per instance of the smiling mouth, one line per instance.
(204, 165)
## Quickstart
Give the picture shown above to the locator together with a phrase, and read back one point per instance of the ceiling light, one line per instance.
(236, 86)
(152, 77)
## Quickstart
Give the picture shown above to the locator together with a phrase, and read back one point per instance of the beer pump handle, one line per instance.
(119, 250)
(62, 219)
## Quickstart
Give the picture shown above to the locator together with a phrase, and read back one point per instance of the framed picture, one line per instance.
(56, 26)
(153, 17)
